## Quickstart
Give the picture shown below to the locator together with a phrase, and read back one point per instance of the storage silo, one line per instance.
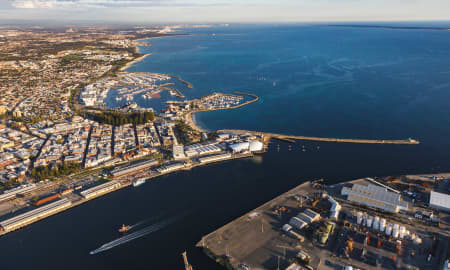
(376, 223)
(402, 232)
(359, 218)
(369, 221)
(382, 224)
(389, 229)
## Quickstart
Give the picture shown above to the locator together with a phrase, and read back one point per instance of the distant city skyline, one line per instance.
(206, 11)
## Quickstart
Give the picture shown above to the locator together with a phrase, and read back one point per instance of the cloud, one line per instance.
(48, 4)
(32, 4)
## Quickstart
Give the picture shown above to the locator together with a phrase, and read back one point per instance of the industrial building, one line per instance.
(171, 167)
(335, 208)
(34, 215)
(214, 158)
(252, 146)
(440, 201)
(375, 196)
(201, 149)
(10, 194)
(117, 172)
(99, 190)
(306, 217)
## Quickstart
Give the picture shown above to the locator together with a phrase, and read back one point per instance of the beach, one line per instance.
(129, 64)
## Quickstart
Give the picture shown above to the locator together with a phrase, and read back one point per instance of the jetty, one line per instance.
(318, 139)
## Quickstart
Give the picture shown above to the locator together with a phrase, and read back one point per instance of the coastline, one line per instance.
(191, 121)
(189, 117)
(131, 63)
(123, 184)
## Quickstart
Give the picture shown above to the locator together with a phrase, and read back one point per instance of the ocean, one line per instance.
(312, 80)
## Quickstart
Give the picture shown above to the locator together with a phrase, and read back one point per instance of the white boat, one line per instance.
(138, 182)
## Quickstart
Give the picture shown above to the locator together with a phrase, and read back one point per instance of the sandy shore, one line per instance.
(189, 119)
(129, 64)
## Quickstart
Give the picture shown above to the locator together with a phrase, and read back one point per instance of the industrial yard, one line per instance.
(314, 226)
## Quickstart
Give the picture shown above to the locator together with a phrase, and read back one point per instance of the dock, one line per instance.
(319, 139)
(246, 239)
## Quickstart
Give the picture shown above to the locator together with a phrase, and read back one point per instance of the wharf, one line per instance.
(257, 239)
(126, 182)
(320, 139)
(251, 238)
(75, 201)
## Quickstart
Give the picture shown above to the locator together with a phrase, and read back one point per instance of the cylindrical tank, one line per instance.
(359, 218)
(369, 221)
(389, 229)
(376, 223)
(402, 232)
(395, 230)
(395, 233)
(364, 222)
(382, 224)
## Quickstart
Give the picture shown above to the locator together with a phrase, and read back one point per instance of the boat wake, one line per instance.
(132, 236)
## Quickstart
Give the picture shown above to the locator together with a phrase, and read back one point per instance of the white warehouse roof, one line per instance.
(256, 146)
(440, 200)
(375, 196)
(239, 147)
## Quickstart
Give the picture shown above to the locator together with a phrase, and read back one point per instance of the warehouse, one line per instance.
(214, 158)
(34, 215)
(303, 219)
(440, 201)
(375, 196)
(311, 214)
(201, 149)
(171, 167)
(99, 190)
(10, 194)
(240, 147)
(252, 146)
(134, 167)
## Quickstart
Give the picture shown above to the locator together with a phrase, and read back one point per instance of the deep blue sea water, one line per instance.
(312, 80)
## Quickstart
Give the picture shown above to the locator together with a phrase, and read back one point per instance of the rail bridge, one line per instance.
(319, 139)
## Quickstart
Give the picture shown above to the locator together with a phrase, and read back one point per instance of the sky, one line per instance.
(229, 11)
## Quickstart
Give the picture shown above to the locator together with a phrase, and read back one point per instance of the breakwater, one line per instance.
(188, 84)
(320, 139)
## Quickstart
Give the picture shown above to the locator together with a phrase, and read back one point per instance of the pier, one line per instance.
(252, 238)
(318, 139)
